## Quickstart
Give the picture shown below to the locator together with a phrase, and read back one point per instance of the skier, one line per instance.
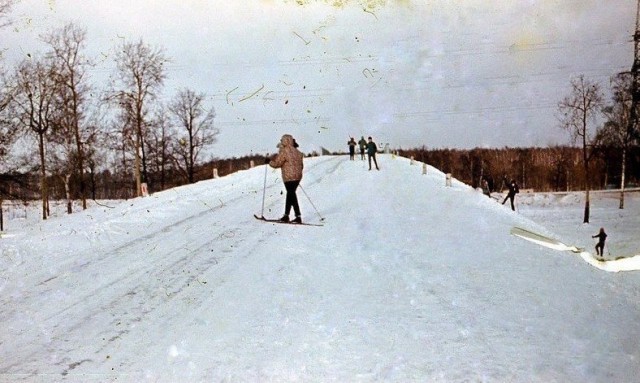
(486, 190)
(289, 160)
(602, 236)
(372, 149)
(513, 190)
(363, 146)
(352, 148)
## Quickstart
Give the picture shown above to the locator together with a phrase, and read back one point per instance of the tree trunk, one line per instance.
(190, 164)
(43, 178)
(622, 176)
(587, 205)
(587, 184)
(92, 178)
(143, 160)
(79, 148)
(136, 169)
(67, 192)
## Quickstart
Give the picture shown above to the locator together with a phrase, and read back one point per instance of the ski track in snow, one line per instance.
(409, 280)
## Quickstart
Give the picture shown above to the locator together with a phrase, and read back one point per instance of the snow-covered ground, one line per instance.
(407, 281)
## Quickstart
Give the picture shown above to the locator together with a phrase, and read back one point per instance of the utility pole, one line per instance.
(634, 73)
(635, 69)
(632, 123)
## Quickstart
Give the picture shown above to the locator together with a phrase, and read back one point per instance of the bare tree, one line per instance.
(618, 131)
(196, 129)
(7, 135)
(578, 112)
(34, 107)
(70, 73)
(140, 76)
(6, 131)
(6, 90)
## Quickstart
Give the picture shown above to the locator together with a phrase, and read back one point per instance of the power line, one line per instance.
(475, 111)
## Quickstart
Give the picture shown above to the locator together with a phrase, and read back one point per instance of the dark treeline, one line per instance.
(542, 169)
(111, 185)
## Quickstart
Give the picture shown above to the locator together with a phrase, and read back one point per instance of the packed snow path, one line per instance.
(409, 280)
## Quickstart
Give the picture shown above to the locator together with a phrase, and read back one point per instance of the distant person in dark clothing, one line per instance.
(372, 149)
(602, 236)
(352, 148)
(489, 182)
(363, 145)
(486, 189)
(513, 190)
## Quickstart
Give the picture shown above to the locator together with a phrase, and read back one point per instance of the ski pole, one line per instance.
(314, 206)
(264, 188)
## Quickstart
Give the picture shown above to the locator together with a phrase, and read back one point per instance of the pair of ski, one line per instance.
(262, 217)
(286, 223)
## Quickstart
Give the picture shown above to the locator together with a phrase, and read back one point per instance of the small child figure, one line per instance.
(602, 236)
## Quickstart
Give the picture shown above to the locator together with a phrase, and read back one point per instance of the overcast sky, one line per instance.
(438, 73)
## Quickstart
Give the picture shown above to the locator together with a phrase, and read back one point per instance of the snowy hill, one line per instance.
(408, 280)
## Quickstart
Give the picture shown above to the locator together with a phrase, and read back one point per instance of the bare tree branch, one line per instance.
(197, 129)
(577, 112)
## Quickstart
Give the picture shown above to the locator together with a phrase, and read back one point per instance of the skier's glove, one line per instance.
(267, 160)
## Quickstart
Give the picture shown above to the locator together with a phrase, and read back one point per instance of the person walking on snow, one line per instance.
(372, 149)
(363, 146)
(602, 236)
(513, 190)
(352, 148)
(289, 160)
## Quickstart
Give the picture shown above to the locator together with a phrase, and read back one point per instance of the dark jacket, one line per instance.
(602, 236)
(362, 143)
(372, 149)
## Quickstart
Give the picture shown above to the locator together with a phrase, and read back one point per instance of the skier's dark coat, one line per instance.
(513, 190)
(602, 236)
(362, 143)
(372, 148)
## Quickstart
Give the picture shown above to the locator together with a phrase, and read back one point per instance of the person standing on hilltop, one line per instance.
(486, 190)
(363, 145)
(290, 161)
(513, 190)
(372, 149)
(352, 148)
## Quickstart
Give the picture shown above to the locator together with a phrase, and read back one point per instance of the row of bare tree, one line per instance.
(53, 120)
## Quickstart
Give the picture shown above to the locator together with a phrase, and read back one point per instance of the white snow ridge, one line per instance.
(407, 281)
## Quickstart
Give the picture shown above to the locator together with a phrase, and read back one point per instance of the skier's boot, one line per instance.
(285, 218)
(298, 219)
